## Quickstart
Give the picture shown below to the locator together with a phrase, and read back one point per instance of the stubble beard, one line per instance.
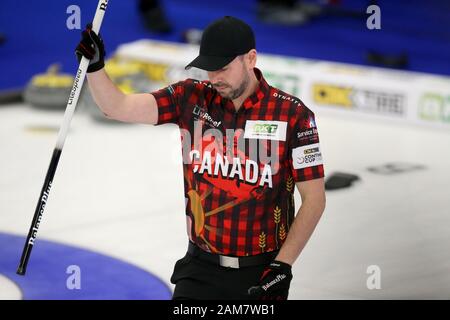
(236, 93)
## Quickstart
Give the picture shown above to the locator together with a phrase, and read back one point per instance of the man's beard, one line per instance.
(236, 93)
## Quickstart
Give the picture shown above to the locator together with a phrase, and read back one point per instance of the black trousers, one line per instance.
(197, 279)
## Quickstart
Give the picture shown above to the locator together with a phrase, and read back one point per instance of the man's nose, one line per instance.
(213, 76)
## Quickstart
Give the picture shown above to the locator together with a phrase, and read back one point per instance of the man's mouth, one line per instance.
(219, 87)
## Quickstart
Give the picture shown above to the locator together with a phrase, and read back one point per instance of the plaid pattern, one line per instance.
(238, 202)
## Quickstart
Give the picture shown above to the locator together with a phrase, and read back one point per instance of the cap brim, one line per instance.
(209, 63)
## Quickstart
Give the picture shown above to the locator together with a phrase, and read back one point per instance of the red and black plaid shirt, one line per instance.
(240, 168)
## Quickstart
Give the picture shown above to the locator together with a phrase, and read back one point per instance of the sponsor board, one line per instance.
(285, 82)
(368, 91)
(371, 101)
(434, 107)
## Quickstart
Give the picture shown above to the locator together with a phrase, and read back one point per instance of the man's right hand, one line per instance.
(137, 107)
(91, 47)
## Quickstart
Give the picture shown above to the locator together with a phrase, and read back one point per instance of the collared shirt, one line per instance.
(240, 167)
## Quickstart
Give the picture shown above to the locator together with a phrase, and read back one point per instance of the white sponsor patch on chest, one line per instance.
(265, 129)
(306, 156)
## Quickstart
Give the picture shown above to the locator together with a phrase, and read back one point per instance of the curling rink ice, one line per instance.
(118, 192)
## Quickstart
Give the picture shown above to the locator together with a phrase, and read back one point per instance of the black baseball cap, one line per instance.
(222, 41)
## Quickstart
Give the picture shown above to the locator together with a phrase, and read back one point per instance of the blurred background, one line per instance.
(379, 86)
(35, 34)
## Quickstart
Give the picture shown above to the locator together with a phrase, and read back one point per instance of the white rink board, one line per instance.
(370, 93)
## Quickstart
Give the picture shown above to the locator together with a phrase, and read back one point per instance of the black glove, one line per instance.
(274, 283)
(91, 47)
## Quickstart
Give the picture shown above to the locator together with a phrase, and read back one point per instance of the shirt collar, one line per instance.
(261, 90)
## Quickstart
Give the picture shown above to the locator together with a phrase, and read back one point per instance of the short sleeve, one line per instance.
(305, 154)
(169, 100)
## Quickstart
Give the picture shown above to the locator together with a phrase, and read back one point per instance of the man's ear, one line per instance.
(251, 58)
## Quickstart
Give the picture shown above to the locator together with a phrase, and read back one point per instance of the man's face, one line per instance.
(232, 80)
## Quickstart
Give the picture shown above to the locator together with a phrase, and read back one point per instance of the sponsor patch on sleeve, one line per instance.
(306, 156)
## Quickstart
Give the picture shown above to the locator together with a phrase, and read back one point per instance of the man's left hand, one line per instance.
(274, 283)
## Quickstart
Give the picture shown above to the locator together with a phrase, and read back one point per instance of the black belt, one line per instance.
(229, 261)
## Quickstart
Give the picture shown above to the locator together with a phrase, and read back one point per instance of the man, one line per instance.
(245, 146)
